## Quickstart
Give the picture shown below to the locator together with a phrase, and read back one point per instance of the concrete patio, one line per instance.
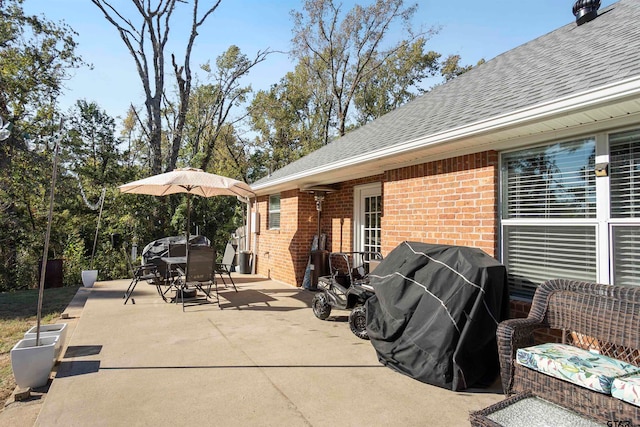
(263, 359)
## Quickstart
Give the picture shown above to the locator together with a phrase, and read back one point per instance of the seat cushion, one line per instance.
(582, 367)
(627, 388)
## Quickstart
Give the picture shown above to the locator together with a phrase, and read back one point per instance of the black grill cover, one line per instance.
(435, 312)
(152, 253)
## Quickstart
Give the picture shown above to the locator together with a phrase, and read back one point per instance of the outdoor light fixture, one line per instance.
(602, 169)
(319, 194)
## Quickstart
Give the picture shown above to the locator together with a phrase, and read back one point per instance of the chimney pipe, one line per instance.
(585, 10)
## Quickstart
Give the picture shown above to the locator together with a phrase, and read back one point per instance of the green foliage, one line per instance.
(451, 68)
(111, 262)
(74, 260)
(290, 120)
(35, 58)
(395, 80)
(348, 72)
(341, 50)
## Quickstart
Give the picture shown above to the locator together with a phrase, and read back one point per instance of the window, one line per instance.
(274, 212)
(549, 214)
(624, 183)
(561, 221)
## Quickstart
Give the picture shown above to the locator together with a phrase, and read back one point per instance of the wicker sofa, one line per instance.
(605, 318)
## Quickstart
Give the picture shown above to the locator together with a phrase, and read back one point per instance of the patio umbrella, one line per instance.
(190, 181)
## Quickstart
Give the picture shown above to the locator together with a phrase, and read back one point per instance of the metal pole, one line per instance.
(95, 239)
(43, 269)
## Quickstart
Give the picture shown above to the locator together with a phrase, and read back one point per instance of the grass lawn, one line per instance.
(18, 314)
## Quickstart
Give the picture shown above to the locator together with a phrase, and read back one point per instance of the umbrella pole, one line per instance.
(187, 233)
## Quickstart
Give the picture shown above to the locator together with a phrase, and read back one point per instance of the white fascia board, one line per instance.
(599, 96)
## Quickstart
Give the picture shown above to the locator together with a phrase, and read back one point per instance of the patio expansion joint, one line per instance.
(263, 372)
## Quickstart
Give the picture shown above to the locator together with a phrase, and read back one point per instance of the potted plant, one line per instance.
(54, 330)
(32, 360)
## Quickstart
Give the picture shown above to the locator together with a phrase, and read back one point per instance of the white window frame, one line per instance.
(359, 193)
(551, 222)
(603, 222)
(272, 211)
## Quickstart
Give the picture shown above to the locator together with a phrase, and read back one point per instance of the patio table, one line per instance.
(175, 264)
(528, 410)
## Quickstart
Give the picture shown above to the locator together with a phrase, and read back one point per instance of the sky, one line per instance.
(473, 29)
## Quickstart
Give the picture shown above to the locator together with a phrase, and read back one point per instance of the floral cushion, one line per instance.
(627, 389)
(582, 367)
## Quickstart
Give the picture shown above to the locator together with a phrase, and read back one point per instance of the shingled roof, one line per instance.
(569, 60)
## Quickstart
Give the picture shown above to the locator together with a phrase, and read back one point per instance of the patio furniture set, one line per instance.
(183, 274)
(591, 378)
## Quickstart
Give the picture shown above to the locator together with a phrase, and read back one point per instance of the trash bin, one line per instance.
(319, 266)
(244, 262)
(53, 276)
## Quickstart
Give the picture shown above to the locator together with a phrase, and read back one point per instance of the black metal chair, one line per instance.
(148, 273)
(224, 268)
(199, 272)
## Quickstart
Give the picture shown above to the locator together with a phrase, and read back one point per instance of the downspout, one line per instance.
(254, 241)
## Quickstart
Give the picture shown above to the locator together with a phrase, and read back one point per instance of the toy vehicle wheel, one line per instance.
(358, 322)
(321, 307)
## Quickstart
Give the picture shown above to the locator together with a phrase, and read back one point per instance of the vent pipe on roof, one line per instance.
(585, 10)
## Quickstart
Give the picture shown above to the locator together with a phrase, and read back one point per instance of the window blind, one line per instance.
(534, 254)
(553, 181)
(626, 255)
(624, 172)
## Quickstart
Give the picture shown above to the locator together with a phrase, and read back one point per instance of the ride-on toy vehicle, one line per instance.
(347, 287)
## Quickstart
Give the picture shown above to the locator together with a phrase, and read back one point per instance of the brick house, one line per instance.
(532, 157)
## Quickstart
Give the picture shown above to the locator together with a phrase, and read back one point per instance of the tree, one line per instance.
(289, 119)
(90, 162)
(213, 103)
(154, 29)
(93, 145)
(342, 51)
(451, 68)
(36, 56)
(395, 82)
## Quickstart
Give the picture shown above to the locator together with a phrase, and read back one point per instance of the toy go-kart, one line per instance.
(347, 288)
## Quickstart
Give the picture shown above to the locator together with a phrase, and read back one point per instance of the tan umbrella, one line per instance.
(190, 181)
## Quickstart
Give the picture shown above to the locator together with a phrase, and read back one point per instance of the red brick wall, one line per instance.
(452, 201)
(282, 254)
(337, 215)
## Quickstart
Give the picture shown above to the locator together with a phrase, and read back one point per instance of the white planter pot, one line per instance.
(32, 364)
(89, 277)
(54, 330)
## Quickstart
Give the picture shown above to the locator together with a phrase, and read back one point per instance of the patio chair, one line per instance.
(199, 272)
(177, 249)
(224, 268)
(148, 273)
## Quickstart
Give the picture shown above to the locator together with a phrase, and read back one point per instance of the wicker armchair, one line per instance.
(589, 315)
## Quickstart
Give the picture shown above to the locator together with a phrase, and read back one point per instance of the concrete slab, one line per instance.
(262, 358)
